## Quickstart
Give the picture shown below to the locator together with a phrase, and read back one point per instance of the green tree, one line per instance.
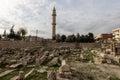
(71, 38)
(86, 38)
(58, 38)
(4, 34)
(17, 36)
(68, 39)
(12, 33)
(22, 31)
(63, 38)
(91, 37)
(82, 38)
(78, 37)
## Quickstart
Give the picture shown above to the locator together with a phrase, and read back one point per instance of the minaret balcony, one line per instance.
(53, 14)
(53, 23)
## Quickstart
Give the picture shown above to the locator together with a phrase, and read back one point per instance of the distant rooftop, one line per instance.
(116, 29)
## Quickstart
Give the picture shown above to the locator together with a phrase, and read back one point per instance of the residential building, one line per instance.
(103, 36)
(116, 33)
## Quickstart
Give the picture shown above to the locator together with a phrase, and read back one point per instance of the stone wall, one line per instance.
(73, 45)
(17, 44)
(23, 44)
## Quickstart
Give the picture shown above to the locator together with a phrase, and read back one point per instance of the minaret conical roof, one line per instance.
(54, 8)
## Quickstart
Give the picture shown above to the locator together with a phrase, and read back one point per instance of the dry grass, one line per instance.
(98, 72)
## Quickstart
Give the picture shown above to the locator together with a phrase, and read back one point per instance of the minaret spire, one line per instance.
(54, 23)
(54, 8)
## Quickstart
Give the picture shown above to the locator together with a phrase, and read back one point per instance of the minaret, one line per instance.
(54, 24)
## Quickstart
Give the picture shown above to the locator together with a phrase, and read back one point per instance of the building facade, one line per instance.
(103, 36)
(116, 33)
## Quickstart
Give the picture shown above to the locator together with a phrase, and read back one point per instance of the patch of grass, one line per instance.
(31, 63)
(114, 78)
(9, 76)
(15, 73)
(53, 68)
(90, 78)
(2, 70)
(37, 76)
(89, 57)
(82, 75)
(77, 52)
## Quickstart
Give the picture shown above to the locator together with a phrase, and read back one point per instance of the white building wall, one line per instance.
(116, 33)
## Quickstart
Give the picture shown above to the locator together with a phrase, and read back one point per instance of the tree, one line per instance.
(63, 38)
(86, 38)
(22, 31)
(17, 36)
(12, 30)
(4, 34)
(78, 37)
(18, 32)
(71, 38)
(58, 38)
(91, 37)
(82, 38)
(12, 33)
(68, 39)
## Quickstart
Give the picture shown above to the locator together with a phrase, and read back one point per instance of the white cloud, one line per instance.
(73, 16)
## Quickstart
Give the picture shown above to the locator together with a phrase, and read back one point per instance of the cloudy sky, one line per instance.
(73, 16)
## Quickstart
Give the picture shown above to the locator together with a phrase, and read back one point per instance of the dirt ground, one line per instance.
(97, 71)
